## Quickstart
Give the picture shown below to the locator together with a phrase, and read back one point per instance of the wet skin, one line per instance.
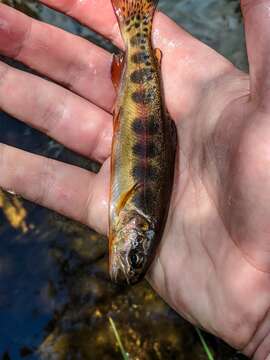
(213, 263)
(143, 148)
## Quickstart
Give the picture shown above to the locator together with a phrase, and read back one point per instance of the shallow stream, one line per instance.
(55, 295)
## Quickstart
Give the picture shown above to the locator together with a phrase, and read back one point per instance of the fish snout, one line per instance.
(121, 272)
(119, 268)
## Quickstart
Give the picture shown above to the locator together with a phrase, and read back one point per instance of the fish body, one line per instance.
(143, 148)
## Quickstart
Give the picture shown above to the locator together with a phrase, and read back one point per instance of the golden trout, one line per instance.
(143, 148)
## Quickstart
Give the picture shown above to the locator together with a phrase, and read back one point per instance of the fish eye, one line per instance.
(136, 260)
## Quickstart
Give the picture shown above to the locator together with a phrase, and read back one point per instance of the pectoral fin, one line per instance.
(116, 69)
(125, 197)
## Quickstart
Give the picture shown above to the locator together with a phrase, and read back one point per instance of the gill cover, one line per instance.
(133, 250)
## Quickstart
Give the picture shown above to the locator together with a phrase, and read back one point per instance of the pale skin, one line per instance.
(213, 264)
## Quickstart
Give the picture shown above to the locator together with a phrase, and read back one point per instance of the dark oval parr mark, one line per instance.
(142, 172)
(143, 97)
(139, 57)
(146, 126)
(144, 198)
(142, 75)
(137, 40)
(145, 150)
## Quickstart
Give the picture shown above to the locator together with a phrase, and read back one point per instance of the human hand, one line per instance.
(212, 265)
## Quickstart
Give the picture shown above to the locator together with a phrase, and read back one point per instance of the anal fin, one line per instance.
(158, 55)
(117, 69)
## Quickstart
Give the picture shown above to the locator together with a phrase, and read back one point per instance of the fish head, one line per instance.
(132, 249)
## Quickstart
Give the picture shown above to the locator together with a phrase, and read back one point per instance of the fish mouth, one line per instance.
(119, 271)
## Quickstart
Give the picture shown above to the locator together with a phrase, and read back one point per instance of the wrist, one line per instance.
(258, 347)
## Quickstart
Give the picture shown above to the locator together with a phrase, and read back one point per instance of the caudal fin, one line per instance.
(128, 11)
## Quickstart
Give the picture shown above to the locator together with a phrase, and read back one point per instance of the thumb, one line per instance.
(256, 15)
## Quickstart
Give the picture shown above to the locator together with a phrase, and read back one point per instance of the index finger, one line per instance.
(183, 57)
(98, 15)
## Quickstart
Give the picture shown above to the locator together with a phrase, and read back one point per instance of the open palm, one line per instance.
(213, 265)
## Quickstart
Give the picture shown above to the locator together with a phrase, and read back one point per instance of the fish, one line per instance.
(143, 147)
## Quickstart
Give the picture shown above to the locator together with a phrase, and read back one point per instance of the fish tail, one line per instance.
(128, 12)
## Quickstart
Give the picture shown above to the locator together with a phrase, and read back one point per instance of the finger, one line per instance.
(183, 55)
(257, 22)
(67, 189)
(62, 115)
(68, 59)
(98, 15)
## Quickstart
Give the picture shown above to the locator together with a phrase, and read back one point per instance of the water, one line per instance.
(55, 295)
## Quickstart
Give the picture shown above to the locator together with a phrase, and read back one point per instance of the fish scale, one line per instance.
(143, 152)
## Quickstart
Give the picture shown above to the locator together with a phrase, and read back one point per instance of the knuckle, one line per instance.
(51, 116)
(104, 144)
(46, 180)
(76, 69)
(5, 156)
(23, 39)
(15, 31)
(4, 70)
